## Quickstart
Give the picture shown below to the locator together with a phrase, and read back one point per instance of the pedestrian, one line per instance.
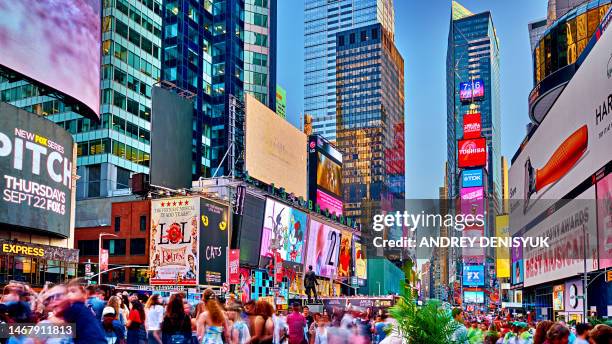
(378, 328)
(600, 334)
(296, 323)
(308, 316)
(557, 334)
(136, 333)
(310, 284)
(115, 302)
(239, 330)
(321, 328)
(176, 325)
(88, 329)
(582, 333)
(94, 302)
(540, 333)
(215, 323)
(114, 331)
(154, 315)
(312, 329)
(460, 334)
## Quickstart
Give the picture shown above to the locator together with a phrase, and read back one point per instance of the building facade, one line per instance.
(322, 21)
(219, 50)
(473, 53)
(370, 120)
(108, 152)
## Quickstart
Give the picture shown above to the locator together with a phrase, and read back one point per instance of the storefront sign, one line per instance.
(35, 250)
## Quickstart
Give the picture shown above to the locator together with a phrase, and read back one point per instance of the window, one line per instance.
(340, 40)
(115, 247)
(137, 246)
(352, 38)
(143, 223)
(121, 28)
(88, 247)
(374, 33)
(123, 175)
(117, 223)
(93, 185)
(364, 36)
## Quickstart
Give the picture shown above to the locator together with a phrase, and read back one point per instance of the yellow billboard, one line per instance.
(275, 150)
(502, 254)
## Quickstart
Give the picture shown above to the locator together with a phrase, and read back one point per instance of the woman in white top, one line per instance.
(154, 316)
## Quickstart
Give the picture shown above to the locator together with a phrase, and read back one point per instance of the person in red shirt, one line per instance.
(296, 323)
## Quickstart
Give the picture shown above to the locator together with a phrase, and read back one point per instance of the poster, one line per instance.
(234, 266)
(103, 260)
(502, 254)
(517, 264)
(286, 226)
(244, 287)
(323, 249)
(557, 296)
(361, 267)
(345, 255)
(174, 241)
(213, 242)
(604, 221)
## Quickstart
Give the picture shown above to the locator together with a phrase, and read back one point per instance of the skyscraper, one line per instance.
(473, 53)
(109, 151)
(322, 20)
(219, 50)
(370, 119)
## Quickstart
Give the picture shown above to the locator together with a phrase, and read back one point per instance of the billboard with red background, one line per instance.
(472, 152)
(472, 123)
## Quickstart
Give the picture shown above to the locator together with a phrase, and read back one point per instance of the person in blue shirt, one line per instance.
(94, 301)
(113, 329)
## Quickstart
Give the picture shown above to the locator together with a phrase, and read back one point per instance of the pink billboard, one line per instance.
(604, 221)
(323, 249)
(329, 202)
(472, 200)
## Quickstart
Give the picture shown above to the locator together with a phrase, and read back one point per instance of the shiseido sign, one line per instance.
(36, 165)
(472, 152)
(471, 125)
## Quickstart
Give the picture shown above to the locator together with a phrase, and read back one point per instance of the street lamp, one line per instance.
(100, 252)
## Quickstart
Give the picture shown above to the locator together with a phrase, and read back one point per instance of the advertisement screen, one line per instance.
(273, 148)
(473, 253)
(516, 254)
(286, 226)
(472, 152)
(502, 255)
(572, 142)
(604, 221)
(329, 202)
(471, 178)
(472, 200)
(249, 233)
(573, 295)
(173, 250)
(56, 43)
(473, 275)
(471, 90)
(329, 175)
(473, 297)
(345, 255)
(36, 188)
(213, 242)
(323, 249)
(557, 296)
(471, 125)
(361, 267)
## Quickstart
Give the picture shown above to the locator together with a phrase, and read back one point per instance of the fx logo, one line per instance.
(473, 276)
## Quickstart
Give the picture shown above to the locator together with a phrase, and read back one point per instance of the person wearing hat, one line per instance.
(113, 330)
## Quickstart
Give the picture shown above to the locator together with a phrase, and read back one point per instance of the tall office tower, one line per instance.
(370, 119)
(472, 55)
(558, 8)
(219, 50)
(322, 20)
(110, 151)
(536, 29)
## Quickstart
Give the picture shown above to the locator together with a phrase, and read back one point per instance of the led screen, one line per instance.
(288, 227)
(329, 175)
(472, 152)
(471, 90)
(323, 249)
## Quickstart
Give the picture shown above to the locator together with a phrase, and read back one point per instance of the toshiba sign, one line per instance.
(472, 152)
(471, 125)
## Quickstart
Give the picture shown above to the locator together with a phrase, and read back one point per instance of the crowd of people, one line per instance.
(124, 318)
(504, 330)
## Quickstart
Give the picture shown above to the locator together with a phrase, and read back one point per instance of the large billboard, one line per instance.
(473, 296)
(175, 233)
(171, 136)
(345, 255)
(471, 90)
(329, 203)
(56, 43)
(361, 265)
(250, 224)
(37, 169)
(286, 227)
(329, 175)
(472, 152)
(275, 149)
(502, 254)
(214, 235)
(473, 275)
(323, 249)
(471, 178)
(569, 146)
(604, 221)
(325, 175)
(472, 123)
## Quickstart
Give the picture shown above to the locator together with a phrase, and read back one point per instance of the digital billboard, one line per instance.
(323, 249)
(250, 225)
(361, 266)
(329, 175)
(286, 226)
(472, 124)
(473, 275)
(472, 200)
(345, 256)
(604, 221)
(471, 178)
(37, 165)
(473, 297)
(55, 43)
(472, 152)
(214, 234)
(502, 254)
(471, 90)
(329, 203)
(572, 142)
(274, 148)
(557, 297)
(174, 244)
(516, 255)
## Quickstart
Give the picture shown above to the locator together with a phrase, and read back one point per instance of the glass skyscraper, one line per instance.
(219, 50)
(322, 20)
(110, 151)
(370, 120)
(473, 53)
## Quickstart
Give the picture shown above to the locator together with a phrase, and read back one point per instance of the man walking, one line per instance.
(310, 283)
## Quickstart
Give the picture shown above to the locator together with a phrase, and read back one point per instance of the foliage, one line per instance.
(430, 323)
(596, 321)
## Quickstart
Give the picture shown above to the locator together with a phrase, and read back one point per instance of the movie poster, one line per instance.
(361, 266)
(244, 288)
(323, 249)
(213, 243)
(345, 255)
(288, 227)
(174, 241)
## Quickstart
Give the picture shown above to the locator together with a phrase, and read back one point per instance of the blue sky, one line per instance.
(421, 33)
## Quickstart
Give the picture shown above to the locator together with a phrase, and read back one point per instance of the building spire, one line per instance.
(459, 12)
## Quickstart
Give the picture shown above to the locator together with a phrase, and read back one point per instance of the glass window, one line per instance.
(115, 247)
(88, 247)
(143, 223)
(107, 24)
(121, 28)
(120, 76)
(117, 223)
(137, 246)
(119, 100)
(123, 178)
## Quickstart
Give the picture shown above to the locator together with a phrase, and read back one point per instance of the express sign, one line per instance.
(471, 125)
(472, 152)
